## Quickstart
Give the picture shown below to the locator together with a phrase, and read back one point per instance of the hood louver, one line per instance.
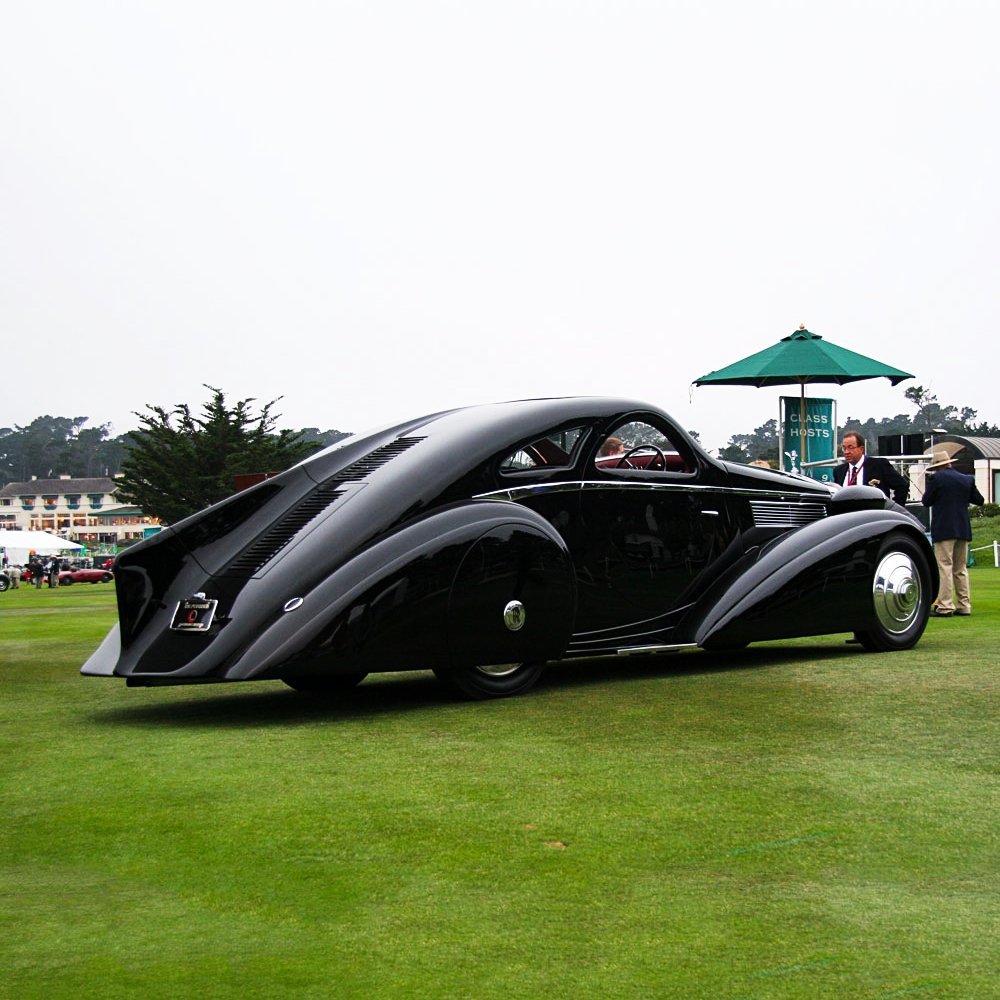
(364, 467)
(267, 545)
(785, 514)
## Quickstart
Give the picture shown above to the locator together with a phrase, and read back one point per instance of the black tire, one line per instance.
(325, 685)
(68, 582)
(106, 578)
(901, 596)
(499, 680)
(4, 583)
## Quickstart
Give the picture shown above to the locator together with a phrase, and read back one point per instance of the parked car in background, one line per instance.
(68, 576)
(482, 542)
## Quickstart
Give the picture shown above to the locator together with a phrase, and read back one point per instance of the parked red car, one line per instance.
(68, 576)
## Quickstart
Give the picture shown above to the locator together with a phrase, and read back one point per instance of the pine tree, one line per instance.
(178, 463)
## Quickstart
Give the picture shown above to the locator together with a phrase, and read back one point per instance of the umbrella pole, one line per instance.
(802, 429)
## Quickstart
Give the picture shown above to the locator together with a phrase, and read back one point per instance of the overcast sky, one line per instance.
(379, 209)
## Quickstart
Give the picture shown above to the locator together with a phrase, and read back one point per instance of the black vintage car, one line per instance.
(481, 542)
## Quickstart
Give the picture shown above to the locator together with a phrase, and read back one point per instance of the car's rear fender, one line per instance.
(431, 594)
(812, 581)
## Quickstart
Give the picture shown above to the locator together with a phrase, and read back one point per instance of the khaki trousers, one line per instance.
(952, 556)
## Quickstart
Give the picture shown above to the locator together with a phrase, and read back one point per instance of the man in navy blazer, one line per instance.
(948, 494)
(862, 470)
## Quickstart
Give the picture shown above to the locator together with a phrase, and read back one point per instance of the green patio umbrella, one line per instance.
(799, 359)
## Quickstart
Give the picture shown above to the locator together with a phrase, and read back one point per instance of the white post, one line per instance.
(996, 553)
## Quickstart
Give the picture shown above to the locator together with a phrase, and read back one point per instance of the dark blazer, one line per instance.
(948, 493)
(877, 472)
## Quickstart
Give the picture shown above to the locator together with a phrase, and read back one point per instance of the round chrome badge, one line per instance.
(514, 615)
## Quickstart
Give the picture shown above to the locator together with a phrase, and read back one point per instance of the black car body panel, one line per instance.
(508, 533)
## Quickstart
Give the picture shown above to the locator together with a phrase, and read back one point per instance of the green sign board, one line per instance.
(820, 437)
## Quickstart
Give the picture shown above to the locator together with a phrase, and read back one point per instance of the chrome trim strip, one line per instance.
(656, 649)
(520, 492)
(632, 630)
(588, 654)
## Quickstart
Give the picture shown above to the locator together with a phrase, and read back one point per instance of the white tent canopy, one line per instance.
(17, 544)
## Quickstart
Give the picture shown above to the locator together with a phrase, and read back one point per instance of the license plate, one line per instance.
(194, 615)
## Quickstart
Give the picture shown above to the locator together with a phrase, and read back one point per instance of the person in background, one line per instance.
(14, 572)
(948, 494)
(612, 446)
(862, 470)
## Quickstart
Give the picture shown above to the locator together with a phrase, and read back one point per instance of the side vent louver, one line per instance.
(363, 467)
(266, 546)
(785, 514)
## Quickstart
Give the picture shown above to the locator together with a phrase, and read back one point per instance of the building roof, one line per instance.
(51, 487)
(108, 512)
(977, 447)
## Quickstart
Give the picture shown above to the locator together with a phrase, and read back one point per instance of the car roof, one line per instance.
(488, 426)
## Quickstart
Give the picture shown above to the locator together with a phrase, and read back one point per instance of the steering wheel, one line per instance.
(657, 463)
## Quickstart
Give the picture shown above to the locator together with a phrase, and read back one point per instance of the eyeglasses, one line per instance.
(850, 447)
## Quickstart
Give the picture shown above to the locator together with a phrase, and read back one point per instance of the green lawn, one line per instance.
(985, 530)
(804, 820)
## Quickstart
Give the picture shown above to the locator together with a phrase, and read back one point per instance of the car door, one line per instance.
(654, 519)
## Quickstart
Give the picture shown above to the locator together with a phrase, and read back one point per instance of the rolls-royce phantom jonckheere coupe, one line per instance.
(482, 542)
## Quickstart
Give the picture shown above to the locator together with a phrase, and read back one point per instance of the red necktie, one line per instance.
(853, 481)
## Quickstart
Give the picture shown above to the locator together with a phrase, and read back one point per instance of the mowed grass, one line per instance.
(804, 820)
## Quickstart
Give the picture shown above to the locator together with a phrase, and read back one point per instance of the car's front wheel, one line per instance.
(901, 596)
(325, 685)
(495, 680)
(106, 578)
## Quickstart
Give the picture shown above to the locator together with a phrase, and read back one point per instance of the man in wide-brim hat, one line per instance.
(948, 494)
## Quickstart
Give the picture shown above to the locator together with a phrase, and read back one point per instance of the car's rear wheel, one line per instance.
(901, 596)
(66, 581)
(325, 685)
(4, 584)
(495, 680)
(106, 578)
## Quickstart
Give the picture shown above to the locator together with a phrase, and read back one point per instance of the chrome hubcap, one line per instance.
(514, 616)
(499, 669)
(896, 591)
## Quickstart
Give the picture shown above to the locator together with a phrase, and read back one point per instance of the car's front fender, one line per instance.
(809, 582)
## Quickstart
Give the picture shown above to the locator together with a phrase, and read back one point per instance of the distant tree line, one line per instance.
(52, 446)
(174, 463)
(178, 461)
(930, 416)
